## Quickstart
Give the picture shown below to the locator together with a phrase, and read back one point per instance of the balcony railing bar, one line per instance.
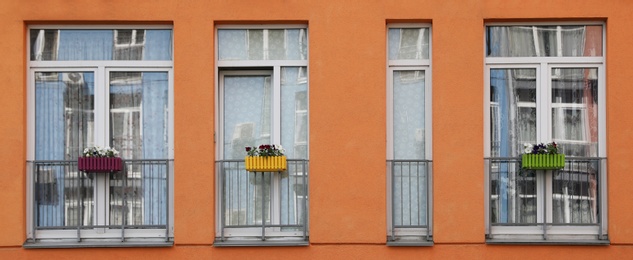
(74, 182)
(235, 193)
(411, 176)
(580, 179)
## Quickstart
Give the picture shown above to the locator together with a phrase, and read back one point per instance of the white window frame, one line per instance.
(543, 67)
(263, 67)
(411, 65)
(101, 70)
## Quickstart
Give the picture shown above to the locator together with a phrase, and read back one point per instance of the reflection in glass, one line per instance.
(64, 123)
(139, 130)
(513, 193)
(294, 112)
(408, 43)
(512, 110)
(408, 114)
(262, 44)
(94, 44)
(575, 110)
(575, 192)
(513, 123)
(544, 41)
(247, 122)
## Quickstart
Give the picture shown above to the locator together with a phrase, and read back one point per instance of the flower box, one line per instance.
(99, 164)
(543, 161)
(265, 163)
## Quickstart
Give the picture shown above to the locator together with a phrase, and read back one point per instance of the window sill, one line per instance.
(556, 242)
(410, 243)
(260, 243)
(29, 244)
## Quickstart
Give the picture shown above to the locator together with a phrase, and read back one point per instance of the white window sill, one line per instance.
(260, 243)
(554, 242)
(95, 243)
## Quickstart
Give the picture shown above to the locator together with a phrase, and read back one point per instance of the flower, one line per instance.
(548, 148)
(98, 151)
(265, 150)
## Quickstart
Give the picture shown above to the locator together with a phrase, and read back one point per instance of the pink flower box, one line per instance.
(99, 164)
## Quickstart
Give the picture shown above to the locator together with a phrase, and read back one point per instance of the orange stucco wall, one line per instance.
(347, 54)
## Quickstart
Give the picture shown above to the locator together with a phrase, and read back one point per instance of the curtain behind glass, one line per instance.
(294, 139)
(262, 44)
(90, 44)
(408, 43)
(139, 115)
(64, 119)
(294, 112)
(513, 123)
(410, 200)
(575, 128)
(512, 110)
(408, 115)
(247, 113)
(544, 41)
(247, 122)
(575, 110)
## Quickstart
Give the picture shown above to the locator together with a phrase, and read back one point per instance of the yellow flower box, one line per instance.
(265, 163)
(543, 161)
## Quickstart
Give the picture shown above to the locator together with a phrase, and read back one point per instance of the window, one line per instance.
(105, 87)
(262, 99)
(409, 135)
(546, 83)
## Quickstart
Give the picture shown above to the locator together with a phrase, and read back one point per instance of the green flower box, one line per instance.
(543, 161)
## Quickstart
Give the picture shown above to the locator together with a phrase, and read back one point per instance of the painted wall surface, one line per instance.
(347, 64)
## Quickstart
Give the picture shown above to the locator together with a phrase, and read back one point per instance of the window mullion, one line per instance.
(101, 99)
(276, 101)
(100, 107)
(276, 139)
(543, 106)
(548, 196)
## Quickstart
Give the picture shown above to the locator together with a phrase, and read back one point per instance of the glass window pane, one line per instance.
(512, 110)
(247, 113)
(513, 193)
(575, 110)
(123, 44)
(544, 41)
(139, 113)
(294, 112)
(64, 114)
(138, 129)
(408, 43)
(408, 114)
(64, 125)
(575, 197)
(262, 44)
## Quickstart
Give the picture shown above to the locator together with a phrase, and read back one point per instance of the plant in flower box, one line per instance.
(542, 157)
(265, 158)
(100, 159)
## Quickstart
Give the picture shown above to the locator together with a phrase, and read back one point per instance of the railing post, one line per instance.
(393, 199)
(220, 169)
(263, 206)
(428, 198)
(167, 185)
(34, 194)
(304, 214)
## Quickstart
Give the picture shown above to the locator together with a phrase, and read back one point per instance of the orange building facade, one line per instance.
(402, 122)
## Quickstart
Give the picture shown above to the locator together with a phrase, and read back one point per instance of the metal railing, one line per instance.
(64, 198)
(262, 205)
(571, 196)
(410, 186)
